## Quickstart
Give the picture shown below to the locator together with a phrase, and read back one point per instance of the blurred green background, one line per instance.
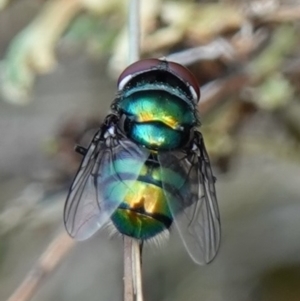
(59, 64)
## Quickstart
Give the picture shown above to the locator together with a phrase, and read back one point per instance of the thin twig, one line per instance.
(137, 271)
(132, 256)
(134, 31)
(220, 47)
(132, 270)
(128, 281)
(45, 266)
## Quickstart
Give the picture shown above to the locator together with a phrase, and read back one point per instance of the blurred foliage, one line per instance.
(258, 39)
(279, 284)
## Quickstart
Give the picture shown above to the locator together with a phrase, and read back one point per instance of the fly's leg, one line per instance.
(80, 150)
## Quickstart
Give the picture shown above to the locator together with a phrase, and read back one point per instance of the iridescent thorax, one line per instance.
(159, 110)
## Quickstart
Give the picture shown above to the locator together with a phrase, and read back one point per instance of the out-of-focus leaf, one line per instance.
(274, 93)
(283, 41)
(32, 50)
(3, 4)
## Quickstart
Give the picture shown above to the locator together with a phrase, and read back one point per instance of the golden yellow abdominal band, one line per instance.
(166, 119)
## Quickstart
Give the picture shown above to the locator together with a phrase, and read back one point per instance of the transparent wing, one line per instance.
(189, 187)
(81, 211)
(106, 173)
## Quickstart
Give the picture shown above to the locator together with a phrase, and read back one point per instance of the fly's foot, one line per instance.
(80, 150)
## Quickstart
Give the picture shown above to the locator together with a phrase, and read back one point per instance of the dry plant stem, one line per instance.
(134, 31)
(132, 259)
(132, 270)
(216, 49)
(137, 269)
(128, 281)
(44, 267)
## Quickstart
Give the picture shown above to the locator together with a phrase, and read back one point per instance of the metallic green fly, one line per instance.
(147, 168)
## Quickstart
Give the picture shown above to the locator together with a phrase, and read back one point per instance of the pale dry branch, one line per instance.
(132, 256)
(45, 266)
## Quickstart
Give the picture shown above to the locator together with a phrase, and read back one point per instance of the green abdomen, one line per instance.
(144, 211)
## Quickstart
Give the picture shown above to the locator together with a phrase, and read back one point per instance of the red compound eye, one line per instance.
(187, 76)
(176, 69)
